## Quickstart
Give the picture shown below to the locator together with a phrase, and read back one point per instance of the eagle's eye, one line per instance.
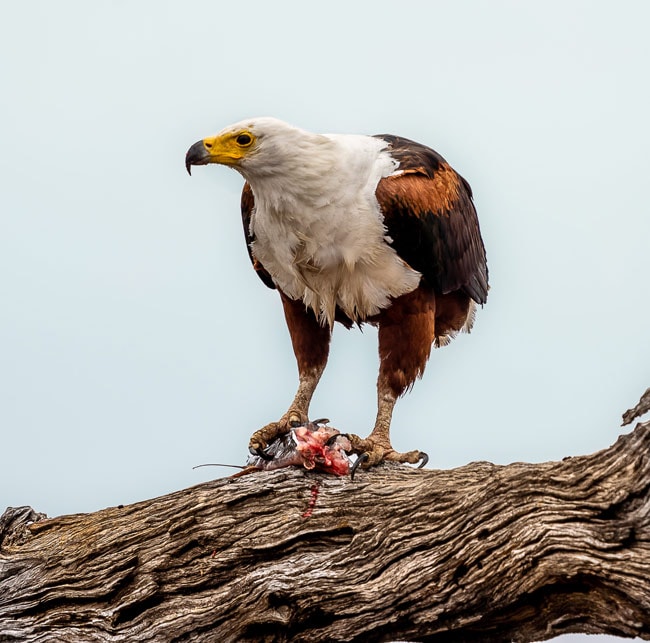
(244, 140)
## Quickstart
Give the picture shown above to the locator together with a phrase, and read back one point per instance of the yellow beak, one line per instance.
(214, 149)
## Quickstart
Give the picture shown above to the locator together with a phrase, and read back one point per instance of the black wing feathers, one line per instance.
(430, 217)
(247, 207)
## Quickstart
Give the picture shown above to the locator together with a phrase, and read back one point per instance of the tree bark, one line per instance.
(522, 552)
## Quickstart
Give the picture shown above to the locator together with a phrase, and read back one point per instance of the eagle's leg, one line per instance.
(406, 333)
(310, 343)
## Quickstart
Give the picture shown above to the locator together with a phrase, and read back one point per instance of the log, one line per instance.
(522, 552)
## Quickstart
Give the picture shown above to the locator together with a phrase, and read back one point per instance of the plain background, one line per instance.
(135, 340)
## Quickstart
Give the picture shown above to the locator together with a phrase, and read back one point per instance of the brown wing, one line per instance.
(431, 220)
(247, 207)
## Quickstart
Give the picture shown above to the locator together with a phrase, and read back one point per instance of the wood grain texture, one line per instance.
(522, 552)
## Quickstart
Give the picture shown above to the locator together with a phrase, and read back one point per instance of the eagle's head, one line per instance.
(254, 147)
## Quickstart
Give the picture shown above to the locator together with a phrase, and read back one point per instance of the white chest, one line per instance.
(332, 252)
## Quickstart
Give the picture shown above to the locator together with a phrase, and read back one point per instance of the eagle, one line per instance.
(355, 229)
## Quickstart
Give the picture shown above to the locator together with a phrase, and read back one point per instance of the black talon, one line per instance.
(331, 440)
(321, 421)
(424, 457)
(364, 457)
(294, 424)
(260, 453)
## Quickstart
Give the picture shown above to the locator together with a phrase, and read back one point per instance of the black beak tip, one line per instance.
(196, 155)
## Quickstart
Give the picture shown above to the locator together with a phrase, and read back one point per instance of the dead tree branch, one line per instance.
(522, 552)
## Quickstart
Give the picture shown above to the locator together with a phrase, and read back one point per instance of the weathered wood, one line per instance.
(640, 409)
(522, 552)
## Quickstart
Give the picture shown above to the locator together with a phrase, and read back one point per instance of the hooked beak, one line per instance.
(196, 155)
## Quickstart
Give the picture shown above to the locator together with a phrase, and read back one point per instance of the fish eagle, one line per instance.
(355, 229)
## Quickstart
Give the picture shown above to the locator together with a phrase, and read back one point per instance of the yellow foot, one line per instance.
(261, 439)
(372, 452)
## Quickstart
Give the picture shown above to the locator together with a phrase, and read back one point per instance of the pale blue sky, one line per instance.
(135, 340)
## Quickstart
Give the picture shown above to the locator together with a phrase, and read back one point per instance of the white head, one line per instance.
(255, 147)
